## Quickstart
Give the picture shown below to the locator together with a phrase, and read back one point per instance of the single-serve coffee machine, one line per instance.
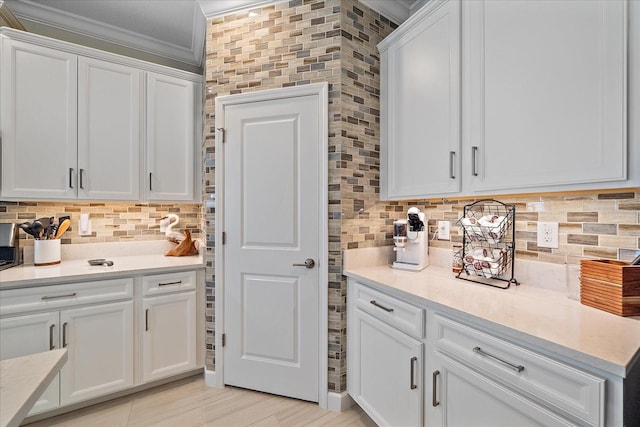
(410, 241)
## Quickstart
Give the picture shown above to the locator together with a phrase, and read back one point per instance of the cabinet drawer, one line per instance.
(56, 296)
(399, 314)
(171, 282)
(558, 385)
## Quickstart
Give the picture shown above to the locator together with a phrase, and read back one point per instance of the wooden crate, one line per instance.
(612, 286)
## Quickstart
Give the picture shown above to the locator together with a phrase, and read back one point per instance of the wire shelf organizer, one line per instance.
(488, 243)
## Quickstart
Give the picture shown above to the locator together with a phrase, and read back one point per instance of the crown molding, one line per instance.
(43, 14)
(395, 11)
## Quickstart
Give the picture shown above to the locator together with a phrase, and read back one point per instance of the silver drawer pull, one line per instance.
(46, 297)
(434, 388)
(170, 283)
(413, 361)
(51, 346)
(387, 309)
(64, 334)
(517, 368)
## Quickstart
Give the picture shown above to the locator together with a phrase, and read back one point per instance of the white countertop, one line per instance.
(546, 319)
(22, 381)
(129, 259)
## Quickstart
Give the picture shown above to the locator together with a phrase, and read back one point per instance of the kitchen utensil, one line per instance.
(26, 227)
(62, 228)
(38, 229)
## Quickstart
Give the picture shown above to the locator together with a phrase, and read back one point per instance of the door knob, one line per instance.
(309, 263)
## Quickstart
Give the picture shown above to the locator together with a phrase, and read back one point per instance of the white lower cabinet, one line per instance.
(99, 342)
(387, 363)
(169, 340)
(42, 330)
(463, 397)
(461, 375)
(94, 321)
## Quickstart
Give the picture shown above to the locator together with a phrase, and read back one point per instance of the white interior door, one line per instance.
(272, 219)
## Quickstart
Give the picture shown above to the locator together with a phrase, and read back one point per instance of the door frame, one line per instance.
(321, 91)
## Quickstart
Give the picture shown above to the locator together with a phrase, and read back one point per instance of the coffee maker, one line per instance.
(9, 251)
(410, 241)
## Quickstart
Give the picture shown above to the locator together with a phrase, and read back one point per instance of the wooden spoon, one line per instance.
(63, 227)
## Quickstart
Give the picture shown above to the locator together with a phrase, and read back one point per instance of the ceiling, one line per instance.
(169, 32)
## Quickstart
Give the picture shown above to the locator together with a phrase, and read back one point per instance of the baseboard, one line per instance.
(338, 402)
(211, 379)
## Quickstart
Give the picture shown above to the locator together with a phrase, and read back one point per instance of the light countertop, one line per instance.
(543, 318)
(128, 259)
(23, 380)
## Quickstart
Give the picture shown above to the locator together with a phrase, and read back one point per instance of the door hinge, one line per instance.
(221, 130)
(224, 339)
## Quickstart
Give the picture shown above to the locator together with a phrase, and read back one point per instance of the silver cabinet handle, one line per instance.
(46, 297)
(517, 368)
(452, 166)
(64, 334)
(51, 346)
(434, 388)
(413, 361)
(387, 309)
(146, 319)
(474, 153)
(81, 173)
(170, 283)
(150, 185)
(70, 177)
(309, 263)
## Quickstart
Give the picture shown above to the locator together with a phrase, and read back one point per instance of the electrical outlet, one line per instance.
(547, 234)
(443, 230)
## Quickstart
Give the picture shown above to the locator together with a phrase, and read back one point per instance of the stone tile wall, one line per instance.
(294, 43)
(110, 221)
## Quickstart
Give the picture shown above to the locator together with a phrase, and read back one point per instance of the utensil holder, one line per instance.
(46, 252)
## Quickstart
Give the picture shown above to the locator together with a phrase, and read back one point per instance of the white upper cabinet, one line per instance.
(170, 138)
(546, 86)
(109, 134)
(420, 104)
(38, 121)
(542, 106)
(73, 124)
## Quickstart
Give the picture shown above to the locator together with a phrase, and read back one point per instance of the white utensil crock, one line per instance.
(46, 252)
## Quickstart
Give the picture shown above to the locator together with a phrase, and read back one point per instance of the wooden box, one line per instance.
(612, 286)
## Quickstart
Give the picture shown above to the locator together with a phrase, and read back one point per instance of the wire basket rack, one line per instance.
(488, 243)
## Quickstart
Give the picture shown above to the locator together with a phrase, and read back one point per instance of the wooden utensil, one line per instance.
(63, 227)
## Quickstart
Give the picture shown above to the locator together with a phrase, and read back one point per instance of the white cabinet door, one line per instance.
(420, 104)
(547, 93)
(99, 341)
(385, 371)
(109, 131)
(463, 397)
(30, 334)
(38, 122)
(170, 138)
(169, 335)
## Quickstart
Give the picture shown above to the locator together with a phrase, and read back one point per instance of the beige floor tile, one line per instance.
(191, 403)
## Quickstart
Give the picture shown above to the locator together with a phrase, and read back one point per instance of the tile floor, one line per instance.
(190, 403)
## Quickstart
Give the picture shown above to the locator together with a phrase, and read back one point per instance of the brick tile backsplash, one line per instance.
(110, 221)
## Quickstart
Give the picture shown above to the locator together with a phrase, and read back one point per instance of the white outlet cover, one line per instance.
(548, 235)
(443, 230)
